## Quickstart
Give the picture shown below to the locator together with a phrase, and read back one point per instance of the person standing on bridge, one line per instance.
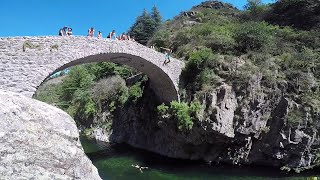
(112, 34)
(69, 32)
(63, 31)
(123, 36)
(167, 53)
(91, 32)
(99, 35)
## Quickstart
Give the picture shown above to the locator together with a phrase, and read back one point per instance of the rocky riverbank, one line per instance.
(39, 141)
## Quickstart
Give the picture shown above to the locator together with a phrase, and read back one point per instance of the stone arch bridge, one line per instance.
(25, 62)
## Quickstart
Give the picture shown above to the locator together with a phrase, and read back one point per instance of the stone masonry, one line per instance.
(25, 62)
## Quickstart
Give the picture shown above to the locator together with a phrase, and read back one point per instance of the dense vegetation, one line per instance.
(225, 45)
(91, 89)
(301, 14)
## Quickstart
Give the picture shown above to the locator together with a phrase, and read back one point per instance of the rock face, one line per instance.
(39, 141)
(247, 126)
(214, 5)
(219, 111)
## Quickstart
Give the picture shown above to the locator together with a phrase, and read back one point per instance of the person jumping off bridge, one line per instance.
(167, 53)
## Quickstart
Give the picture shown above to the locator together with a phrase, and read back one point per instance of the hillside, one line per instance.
(222, 45)
(301, 14)
(258, 83)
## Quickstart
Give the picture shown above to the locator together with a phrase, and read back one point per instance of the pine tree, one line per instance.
(145, 26)
(156, 16)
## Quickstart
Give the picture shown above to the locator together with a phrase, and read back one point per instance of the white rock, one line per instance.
(39, 141)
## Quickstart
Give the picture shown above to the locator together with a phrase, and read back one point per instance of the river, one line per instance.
(115, 162)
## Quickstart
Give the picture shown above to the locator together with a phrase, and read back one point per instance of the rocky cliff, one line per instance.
(252, 128)
(39, 141)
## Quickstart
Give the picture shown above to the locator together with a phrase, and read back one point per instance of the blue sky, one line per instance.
(45, 17)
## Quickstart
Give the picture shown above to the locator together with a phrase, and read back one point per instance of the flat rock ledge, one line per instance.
(39, 141)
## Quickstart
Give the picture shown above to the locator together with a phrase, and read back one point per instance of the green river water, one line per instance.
(115, 163)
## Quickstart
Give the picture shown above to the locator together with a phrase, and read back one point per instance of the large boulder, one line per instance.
(39, 141)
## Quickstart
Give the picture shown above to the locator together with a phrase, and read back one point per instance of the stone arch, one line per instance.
(27, 61)
(161, 83)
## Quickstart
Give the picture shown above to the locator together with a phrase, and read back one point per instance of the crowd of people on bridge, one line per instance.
(67, 31)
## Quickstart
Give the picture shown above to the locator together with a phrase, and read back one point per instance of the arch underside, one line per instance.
(163, 86)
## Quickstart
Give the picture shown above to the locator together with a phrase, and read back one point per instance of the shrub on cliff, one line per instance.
(184, 113)
(135, 92)
(161, 39)
(253, 36)
(200, 70)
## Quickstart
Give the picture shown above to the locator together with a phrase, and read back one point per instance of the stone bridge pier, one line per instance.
(25, 62)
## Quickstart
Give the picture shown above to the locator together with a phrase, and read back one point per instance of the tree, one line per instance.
(155, 15)
(145, 26)
(253, 5)
(255, 10)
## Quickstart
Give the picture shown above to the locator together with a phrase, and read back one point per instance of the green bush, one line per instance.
(195, 107)
(208, 77)
(253, 36)
(199, 59)
(221, 43)
(184, 113)
(241, 77)
(75, 95)
(162, 110)
(135, 92)
(82, 105)
(161, 39)
(218, 37)
(181, 38)
(197, 63)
